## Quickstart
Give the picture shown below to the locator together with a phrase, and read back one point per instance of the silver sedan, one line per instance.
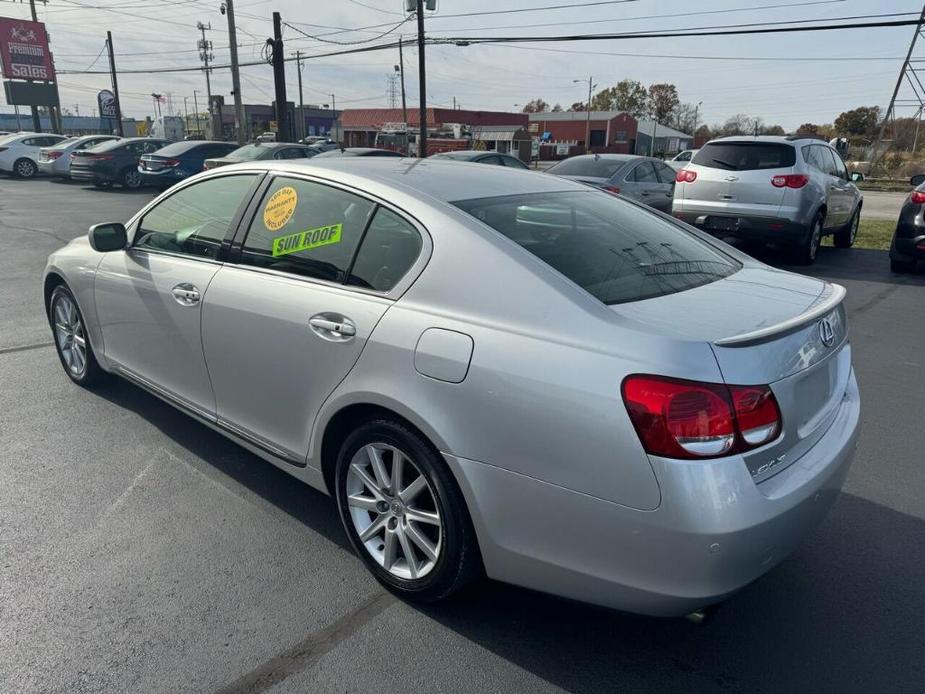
(493, 372)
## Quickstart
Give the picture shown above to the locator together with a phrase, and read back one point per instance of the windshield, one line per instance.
(248, 152)
(745, 156)
(616, 251)
(595, 167)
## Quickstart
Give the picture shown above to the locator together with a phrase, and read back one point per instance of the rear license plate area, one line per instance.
(722, 223)
(814, 391)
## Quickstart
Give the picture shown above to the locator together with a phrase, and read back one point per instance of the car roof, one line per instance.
(469, 153)
(780, 139)
(436, 178)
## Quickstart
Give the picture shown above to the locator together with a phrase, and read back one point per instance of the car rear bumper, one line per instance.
(767, 229)
(54, 168)
(82, 174)
(714, 532)
(164, 177)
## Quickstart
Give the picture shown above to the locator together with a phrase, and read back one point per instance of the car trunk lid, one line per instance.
(156, 162)
(766, 327)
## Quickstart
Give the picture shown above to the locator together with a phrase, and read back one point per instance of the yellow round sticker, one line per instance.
(280, 208)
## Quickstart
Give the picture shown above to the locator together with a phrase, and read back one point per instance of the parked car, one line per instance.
(360, 152)
(482, 157)
(325, 146)
(19, 152)
(260, 151)
(266, 137)
(644, 179)
(682, 159)
(178, 160)
(56, 160)
(600, 402)
(114, 162)
(788, 191)
(908, 244)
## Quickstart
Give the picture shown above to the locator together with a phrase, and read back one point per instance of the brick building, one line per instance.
(358, 127)
(564, 134)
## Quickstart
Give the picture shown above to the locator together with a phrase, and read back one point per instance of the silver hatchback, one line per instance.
(491, 371)
(787, 191)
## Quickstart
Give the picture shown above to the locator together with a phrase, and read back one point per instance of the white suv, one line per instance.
(19, 153)
(788, 191)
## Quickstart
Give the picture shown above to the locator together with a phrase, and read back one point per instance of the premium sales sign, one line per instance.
(24, 50)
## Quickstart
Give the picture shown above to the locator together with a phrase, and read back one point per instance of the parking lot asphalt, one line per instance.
(140, 551)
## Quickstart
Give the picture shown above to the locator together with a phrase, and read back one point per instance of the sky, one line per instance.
(783, 78)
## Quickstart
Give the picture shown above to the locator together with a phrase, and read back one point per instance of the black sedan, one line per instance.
(180, 160)
(482, 157)
(908, 246)
(114, 162)
(260, 151)
(360, 152)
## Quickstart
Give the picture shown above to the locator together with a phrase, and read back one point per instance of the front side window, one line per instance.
(307, 229)
(194, 221)
(615, 251)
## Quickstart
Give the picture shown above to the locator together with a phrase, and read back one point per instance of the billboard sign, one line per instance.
(24, 50)
(107, 103)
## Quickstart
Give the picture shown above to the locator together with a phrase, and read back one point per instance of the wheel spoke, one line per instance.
(60, 313)
(390, 551)
(79, 341)
(366, 503)
(375, 458)
(413, 489)
(374, 529)
(419, 539)
(398, 469)
(406, 549)
(418, 516)
(79, 360)
(368, 481)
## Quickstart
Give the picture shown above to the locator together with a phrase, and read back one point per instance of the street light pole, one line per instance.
(422, 81)
(196, 108)
(588, 121)
(298, 58)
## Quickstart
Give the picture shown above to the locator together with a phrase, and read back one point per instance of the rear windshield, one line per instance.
(615, 250)
(595, 167)
(109, 145)
(248, 152)
(177, 148)
(745, 156)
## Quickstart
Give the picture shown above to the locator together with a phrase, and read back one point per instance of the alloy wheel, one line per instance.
(393, 508)
(25, 168)
(132, 179)
(69, 335)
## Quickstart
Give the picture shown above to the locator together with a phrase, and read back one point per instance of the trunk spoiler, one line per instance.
(830, 297)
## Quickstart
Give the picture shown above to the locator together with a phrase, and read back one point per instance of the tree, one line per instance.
(858, 121)
(578, 106)
(810, 129)
(535, 106)
(663, 100)
(557, 108)
(772, 130)
(626, 95)
(685, 117)
(703, 134)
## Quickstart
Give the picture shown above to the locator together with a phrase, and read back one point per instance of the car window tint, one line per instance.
(513, 162)
(31, 142)
(495, 161)
(615, 251)
(195, 219)
(665, 173)
(643, 173)
(840, 168)
(828, 161)
(390, 247)
(745, 156)
(597, 167)
(292, 153)
(307, 229)
(684, 156)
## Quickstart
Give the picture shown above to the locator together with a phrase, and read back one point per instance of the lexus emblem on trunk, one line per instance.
(827, 331)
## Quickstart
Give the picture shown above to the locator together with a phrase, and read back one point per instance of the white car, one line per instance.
(56, 160)
(682, 159)
(19, 153)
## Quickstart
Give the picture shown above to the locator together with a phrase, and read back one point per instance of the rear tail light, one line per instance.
(790, 181)
(690, 420)
(615, 190)
(53, 155)
(917, 197)
(170, 162)
(98, 157)
(685, 176)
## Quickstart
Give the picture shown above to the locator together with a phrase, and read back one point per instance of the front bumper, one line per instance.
(714, 532)
(747, 228)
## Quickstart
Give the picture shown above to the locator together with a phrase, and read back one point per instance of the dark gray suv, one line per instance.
(788, 191)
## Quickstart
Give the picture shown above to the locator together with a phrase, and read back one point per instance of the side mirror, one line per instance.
(109, 236)
(917, 180)
(856, 176)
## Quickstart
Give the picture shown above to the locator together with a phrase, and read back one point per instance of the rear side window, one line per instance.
(390, 247)
(643, 173)
(306, 229)
(615, 251)
(745, 156)
(596, 167)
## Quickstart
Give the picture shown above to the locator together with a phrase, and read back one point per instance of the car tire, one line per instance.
(384, 525)
(24, 168)
(902, 266)
(131, 179)
(805, 252)
(71, 341)
(845, 237)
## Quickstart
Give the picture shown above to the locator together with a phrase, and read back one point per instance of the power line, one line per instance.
(373, 7)
(569, 6)
(347, 43)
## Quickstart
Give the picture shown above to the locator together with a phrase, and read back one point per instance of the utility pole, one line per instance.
(422, 80)
(298, 58)
(36, 121)
(240, 120)
(279, 79)
(588, 119)
(115, 84)
(404, 105)
(205, 53)
(185, 117)
(196, 108)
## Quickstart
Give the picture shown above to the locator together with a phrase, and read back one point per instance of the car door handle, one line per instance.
(332, 326)
(186, 294)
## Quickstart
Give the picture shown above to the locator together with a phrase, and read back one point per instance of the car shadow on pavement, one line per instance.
(860, 264)
(305, 504)
(842, 614)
